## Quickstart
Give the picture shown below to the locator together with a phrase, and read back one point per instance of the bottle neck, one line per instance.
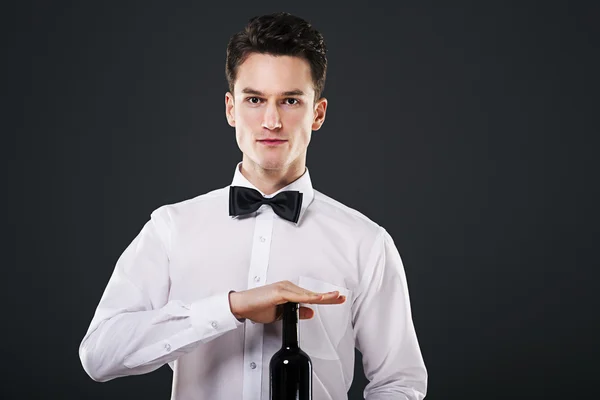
(290, 324)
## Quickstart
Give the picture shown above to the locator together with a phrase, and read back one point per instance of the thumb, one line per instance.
(306, 312)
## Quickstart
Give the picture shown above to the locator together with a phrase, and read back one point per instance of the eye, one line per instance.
(295, 101)
(253, 100)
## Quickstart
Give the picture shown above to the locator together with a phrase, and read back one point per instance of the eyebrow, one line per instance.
(295, 92)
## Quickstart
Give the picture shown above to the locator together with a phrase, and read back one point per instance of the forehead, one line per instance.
(273, 74)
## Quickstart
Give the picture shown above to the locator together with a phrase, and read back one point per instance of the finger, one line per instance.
(306, 313)
(333, 299)
(319, 298)
(295, 297)
(300, 290)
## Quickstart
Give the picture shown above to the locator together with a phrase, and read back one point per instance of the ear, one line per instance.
(319, 113)
(229, 109)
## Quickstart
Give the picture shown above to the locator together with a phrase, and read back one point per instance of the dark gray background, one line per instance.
(465, 130)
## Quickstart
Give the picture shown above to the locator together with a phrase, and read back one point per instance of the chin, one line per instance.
(272, 165)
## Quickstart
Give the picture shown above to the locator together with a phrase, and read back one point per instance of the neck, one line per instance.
(290, 325)
(270, 181)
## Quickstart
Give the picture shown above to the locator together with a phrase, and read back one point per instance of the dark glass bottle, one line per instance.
(290, 368)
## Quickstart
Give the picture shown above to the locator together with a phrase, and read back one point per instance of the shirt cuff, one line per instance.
(212, 316)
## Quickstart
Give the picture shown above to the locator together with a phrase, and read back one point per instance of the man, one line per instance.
(202, 285)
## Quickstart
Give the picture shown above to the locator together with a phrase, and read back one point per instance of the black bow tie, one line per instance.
(243, 200)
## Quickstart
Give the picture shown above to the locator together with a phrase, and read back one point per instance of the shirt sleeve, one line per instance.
(135, 329)
(384, 330)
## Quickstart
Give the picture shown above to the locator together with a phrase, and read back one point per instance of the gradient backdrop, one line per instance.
(465, 130)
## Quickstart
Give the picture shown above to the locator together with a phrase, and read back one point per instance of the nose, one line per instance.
(271, 118)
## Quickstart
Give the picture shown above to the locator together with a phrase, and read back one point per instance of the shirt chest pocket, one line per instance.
(319, 336)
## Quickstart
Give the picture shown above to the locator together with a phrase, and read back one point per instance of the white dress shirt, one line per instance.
(167, 300)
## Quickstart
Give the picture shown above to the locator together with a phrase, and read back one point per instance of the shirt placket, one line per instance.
(253, 338)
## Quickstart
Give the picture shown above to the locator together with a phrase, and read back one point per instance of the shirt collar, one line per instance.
(302, 184)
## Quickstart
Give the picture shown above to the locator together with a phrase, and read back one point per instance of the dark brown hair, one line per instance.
(278, 34)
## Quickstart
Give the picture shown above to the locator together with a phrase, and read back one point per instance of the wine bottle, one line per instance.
(290, 369)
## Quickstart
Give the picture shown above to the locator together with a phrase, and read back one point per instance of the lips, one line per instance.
(272, 141)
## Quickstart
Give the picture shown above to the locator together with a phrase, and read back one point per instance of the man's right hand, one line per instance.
(265, 304)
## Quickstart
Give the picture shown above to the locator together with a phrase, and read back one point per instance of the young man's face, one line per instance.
(274, 99)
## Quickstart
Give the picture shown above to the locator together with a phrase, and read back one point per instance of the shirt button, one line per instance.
(257, 279)
(253, 365)
(167, 347)
(214, 324)
(262, 239)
